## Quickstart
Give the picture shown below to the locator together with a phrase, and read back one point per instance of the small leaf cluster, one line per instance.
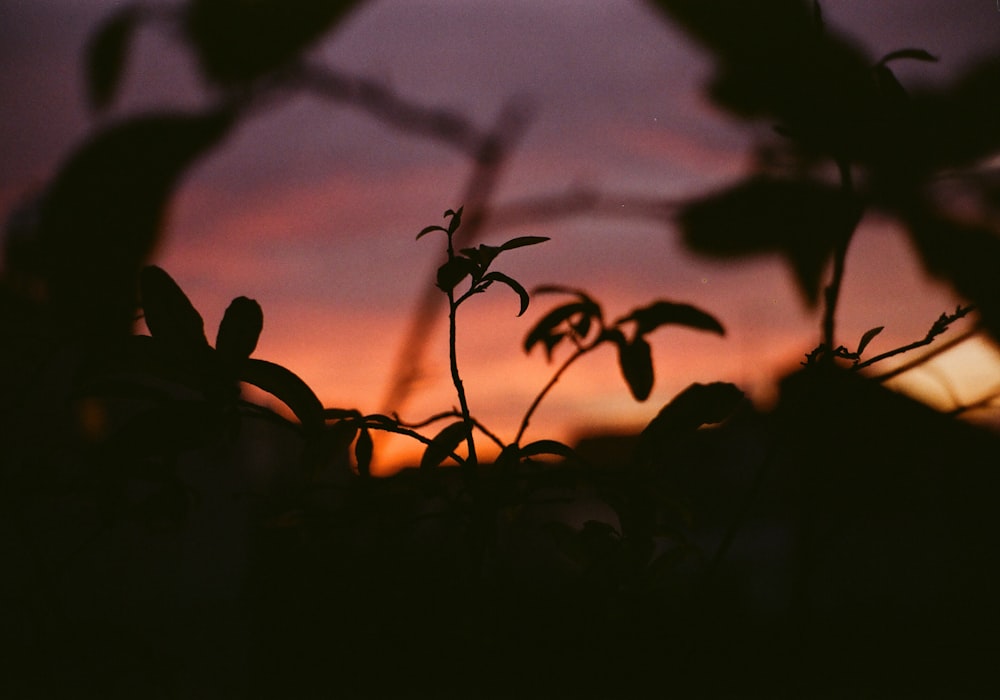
(474, 263)
(581, 322)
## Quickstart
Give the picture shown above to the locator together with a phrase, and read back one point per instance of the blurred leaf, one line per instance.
(548, 447)
(444, 443)
(915, 54)
(867, 338)
(453, 272)
(661, 313)
(513, 284)
(238, 41)
(168, 312)
(802, 220)
(777, 60)
(101, 215)
(285, 385)
(240, 329)
(966, 255)
(697, 405)
(363, 450)
(545, 330)
(636, 361)
(107, 51)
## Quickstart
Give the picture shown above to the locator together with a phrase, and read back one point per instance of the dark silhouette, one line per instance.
(841, 543)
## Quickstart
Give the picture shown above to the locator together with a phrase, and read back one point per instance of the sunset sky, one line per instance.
(312, 208)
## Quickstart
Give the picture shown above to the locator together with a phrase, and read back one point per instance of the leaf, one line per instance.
(456, 219)
(428, 229)
(101, 216)
(444, 444)
(636, 361)
(867, 338)
(661, 313)
(522, 241)
(697, 405)
(544, 330)
(801, 220)
(453, 272)
(288, 387)
(513, 284)
(169, 314)
(240, 329)
(915, 54)
(549, 447)
(363, 450)
(483, 255)
(237, 41)
(105, 56)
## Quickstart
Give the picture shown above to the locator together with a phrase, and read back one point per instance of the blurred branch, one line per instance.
(385, 105)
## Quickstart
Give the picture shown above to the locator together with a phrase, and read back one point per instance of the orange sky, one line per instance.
(312, 209)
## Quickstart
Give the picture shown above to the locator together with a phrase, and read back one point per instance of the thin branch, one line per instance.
(916, 362)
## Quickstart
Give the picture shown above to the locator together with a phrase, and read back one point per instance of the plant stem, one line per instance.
(832, 291)
(463, 403)
(580, 352)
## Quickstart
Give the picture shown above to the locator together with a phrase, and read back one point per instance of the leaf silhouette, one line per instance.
(661, 313)
(802, 220)
(106, 53)
(697, 405)
(169, 314)
(101, 216)
(867, 338)
(363, 450)
(548, 447)
(240, 329)
(636, 361)
(454, 271)
(238, 41)
(544, 331)
(444, 443)
(915, 54)
(522, 241)
(285, 385)
(513, 284)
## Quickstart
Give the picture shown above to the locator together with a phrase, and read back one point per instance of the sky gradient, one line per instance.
(312, 208)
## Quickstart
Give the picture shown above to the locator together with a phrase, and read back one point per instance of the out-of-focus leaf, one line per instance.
(801, 220)
(522, 293)
(169, 314)
(288, 387)
(636, 361)
(238, 41)
(239, 330)
(661, 313)
(697, 405)
(545, 330)
(867, 338)
(363, 450)
(106, 53)
(453, 272)
(966, 255)
(777, 60)
(101, 215)
(549, 447)
(444, 443)
(915, 54)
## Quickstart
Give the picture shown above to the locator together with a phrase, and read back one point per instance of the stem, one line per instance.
(580, 352)
(832, 292)
(463, 403)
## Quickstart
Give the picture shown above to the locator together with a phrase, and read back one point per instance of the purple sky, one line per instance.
(312, 208)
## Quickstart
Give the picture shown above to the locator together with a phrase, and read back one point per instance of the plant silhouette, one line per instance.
(839, 543)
